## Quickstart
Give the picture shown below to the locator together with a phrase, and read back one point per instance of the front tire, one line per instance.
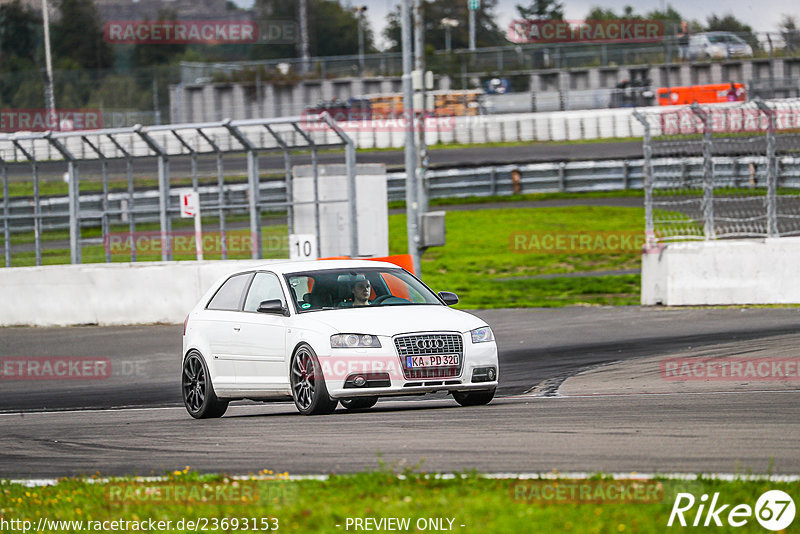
(198, 392)
(359, 403)
(475, 398)
(308, 384)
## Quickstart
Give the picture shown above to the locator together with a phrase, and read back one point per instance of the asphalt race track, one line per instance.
(133, 423)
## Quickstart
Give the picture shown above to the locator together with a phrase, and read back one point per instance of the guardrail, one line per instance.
(580, 176)
(384, 133)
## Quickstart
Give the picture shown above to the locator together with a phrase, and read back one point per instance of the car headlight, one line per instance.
(346, 341)
(482, 334)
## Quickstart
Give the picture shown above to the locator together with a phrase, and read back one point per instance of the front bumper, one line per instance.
(382, 372)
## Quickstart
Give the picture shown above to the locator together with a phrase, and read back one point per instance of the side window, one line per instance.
(265, 286)
(229, 295)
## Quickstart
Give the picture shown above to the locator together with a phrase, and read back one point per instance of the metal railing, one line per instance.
(285, 135)
(713, 204)
(574, 176)
(466, 63)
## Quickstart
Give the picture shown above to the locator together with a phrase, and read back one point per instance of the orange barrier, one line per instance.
(702, 94)
(397, 287)
(401, 260)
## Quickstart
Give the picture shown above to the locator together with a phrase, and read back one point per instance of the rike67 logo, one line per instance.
(774, 510)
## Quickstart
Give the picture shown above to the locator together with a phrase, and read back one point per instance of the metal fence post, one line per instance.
(254, 192)
(220, 193)
(131, 196)
(195, 188)
(708, 173)
(223, 237)
(163, 192)
(315, 184)
(626, 174)
(772, 174)
(131, 199)
(647, 178)
(254, 202)
(104, 224)
(6, 231)
(562, 178)
(37, 210)
(287, 167)
(350, 163)
(74, 199)
(163, 206)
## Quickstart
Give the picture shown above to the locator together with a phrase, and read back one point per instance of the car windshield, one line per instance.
(724, 38)
(335, 289)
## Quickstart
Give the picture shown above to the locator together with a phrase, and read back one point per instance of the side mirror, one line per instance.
(274, 306)
(448, 298)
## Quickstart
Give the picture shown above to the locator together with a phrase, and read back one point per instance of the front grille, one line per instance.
(430, 344)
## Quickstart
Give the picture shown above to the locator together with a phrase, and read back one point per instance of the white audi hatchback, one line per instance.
(326, 332)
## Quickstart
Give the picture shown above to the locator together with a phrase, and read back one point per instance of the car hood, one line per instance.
(393, 320)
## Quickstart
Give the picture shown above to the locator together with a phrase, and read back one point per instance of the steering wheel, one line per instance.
(382, 298)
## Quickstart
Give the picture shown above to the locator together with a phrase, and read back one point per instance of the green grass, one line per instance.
(480, 504)
(478, 256)
(623, 193)
(94, 184)
(477, 262)
(56, 187)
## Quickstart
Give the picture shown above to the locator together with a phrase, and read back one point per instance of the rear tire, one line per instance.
(474, 398)
(198, 392)
(308, 384)
(359, 403)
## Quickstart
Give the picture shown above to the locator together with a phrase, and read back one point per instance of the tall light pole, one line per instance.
(303, 17)
(473, 5)
(412, 212)
(448, 25)
(49, 94)
(420, 106)
(359, 11)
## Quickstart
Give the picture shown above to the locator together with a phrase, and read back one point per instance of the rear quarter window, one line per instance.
(229, 295)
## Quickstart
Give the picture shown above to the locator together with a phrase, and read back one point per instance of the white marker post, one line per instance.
(190, 207)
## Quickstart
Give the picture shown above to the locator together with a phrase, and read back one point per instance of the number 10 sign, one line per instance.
(302, 247)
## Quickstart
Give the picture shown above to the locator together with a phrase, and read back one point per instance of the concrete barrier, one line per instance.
(108, 294)
(724, 272)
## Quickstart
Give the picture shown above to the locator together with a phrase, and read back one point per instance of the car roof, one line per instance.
(321, 265)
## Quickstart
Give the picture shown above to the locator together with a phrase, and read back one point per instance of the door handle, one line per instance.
(237, 328)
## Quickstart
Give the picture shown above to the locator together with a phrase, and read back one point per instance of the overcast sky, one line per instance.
(761, 15)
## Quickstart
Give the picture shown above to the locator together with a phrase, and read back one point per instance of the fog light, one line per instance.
(359, 381)
(484, 374)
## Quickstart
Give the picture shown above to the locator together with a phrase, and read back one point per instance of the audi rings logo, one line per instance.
(428, 344)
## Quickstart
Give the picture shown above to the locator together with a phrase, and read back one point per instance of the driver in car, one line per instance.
(361, 292)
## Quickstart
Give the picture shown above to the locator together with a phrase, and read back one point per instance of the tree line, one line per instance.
(92, 72)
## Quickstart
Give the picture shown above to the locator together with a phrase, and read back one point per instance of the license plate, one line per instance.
(438, 360)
